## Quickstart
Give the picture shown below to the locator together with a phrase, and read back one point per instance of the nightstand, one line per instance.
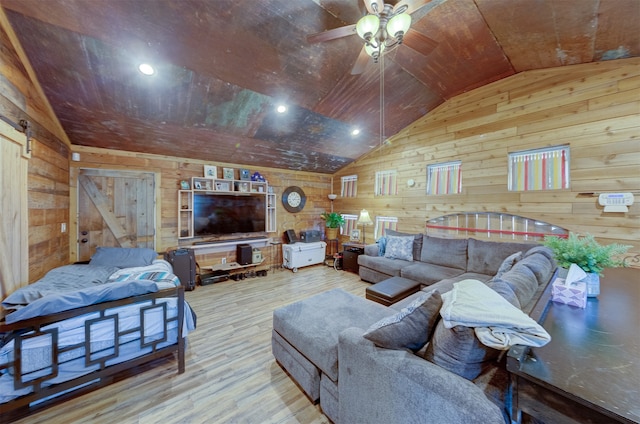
(350, 254)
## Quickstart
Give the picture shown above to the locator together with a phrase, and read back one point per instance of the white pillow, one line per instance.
(399, 248)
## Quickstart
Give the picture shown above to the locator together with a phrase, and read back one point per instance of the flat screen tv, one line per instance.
(219, 214)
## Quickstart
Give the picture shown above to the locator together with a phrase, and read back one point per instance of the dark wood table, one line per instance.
(590, 371)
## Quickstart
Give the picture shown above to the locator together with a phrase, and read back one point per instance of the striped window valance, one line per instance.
(386, 183)
(384, 223)
(540, 169)
(444, 178)
(349, 186)
(350, 223)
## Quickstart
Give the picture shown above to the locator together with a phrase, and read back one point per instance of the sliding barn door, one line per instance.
(115, 209)
(14, 232)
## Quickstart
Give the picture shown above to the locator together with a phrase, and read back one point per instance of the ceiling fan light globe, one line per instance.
(399, 25)
(373, 50)
(367, 26)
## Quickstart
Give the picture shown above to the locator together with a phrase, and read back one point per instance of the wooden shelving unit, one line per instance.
(221, 186)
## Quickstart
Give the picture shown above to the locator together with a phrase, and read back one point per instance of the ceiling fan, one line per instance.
(383, 28)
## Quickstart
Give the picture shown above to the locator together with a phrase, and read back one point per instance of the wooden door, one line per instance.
(116, 209)
(14, 233)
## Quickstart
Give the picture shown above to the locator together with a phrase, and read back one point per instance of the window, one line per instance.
(349, 186)
(350, 223)
(444, 178)
(386, 183)
(384, 223)
(539, 169)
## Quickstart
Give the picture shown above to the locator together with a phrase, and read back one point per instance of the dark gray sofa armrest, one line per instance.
(384, 386)
(371, 249)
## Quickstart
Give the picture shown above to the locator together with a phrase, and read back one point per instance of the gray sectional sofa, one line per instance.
(331, 346)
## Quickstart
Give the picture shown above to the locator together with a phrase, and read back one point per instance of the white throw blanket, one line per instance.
(496, 322)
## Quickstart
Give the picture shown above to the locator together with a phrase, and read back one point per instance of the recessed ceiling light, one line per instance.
(355, 131)
(146, 69)
(281, 109)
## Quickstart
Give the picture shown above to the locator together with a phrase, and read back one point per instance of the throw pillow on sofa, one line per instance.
(399, 248)
(410, 328)
(417, 241)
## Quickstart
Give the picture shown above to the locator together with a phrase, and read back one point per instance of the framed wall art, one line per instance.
(245, 175)
(210, 171)
(228, 173)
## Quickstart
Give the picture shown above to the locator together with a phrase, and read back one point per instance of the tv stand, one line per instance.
(224, 245)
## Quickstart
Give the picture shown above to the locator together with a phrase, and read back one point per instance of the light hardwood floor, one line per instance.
(231, 375)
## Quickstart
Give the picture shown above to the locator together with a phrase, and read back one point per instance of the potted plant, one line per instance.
(334, 220)
(588, 254)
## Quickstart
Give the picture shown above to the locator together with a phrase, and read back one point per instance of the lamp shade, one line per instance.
(367, 26)
(398, 25)
(364, 218)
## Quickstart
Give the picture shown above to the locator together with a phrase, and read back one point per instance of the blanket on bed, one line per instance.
(74, 286)
(496, 322)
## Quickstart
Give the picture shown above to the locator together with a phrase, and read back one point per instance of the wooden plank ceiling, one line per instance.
(223, 66)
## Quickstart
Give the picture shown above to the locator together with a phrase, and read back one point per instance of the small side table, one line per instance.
(350, 254)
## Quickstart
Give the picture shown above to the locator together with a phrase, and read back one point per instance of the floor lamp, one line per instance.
(364, 219)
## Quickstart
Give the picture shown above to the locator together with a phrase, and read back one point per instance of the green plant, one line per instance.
(585, 252)
(333, 219)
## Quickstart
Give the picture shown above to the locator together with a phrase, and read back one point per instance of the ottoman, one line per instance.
(391, 290)
(305, 340)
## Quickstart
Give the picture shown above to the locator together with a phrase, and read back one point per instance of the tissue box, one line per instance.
(574, 294)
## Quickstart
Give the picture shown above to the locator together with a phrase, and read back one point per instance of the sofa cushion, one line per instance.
(504, 289)
(384, 265)
(428, 273)
(410, 328)
(540, 264)
(417, 242)
(485, 257)
(450, 253)
(458, 350)
(522, 281)
(508, 263)
(399, 248)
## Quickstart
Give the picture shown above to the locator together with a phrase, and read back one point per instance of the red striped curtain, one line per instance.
(444, 178)
(350, 223)
(540, 169)
(386, 183)
(349, 186)
(384, 223)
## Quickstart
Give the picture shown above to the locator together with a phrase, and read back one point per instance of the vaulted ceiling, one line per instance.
(224, 65)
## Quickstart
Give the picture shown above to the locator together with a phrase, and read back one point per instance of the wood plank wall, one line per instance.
(171, 170)
(47, 188)
(594, 108)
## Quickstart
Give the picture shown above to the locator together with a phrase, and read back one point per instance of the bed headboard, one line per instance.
(492, 225)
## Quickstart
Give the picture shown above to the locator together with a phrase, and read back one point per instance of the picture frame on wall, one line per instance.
(355, 235)
(228, 173)
(245, 174)
(210, 171)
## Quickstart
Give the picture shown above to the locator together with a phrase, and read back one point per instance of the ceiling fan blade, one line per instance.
(412, 5)
(361, 62)
(369, 4)
(419, 42)
(332, 34)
